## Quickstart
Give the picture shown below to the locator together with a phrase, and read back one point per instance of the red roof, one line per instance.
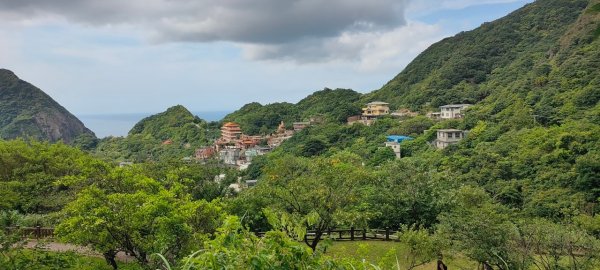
(231, 124)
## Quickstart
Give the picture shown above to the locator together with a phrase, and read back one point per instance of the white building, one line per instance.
(395, 147)
(453, 111)
(447, 137)
(229, 156)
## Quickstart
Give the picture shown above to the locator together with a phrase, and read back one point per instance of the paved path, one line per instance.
(63, 247)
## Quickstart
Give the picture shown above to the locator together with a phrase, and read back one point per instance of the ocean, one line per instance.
(105, 125)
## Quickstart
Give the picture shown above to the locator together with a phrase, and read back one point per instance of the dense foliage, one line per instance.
(519, 54)
(39, 177)
(173, 134)
(521, 191)
(326, 105)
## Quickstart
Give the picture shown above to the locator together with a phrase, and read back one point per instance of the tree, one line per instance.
(422, 247)
(234, 247)
(130, 212)
(550, 246)
(480, 229)
(314, 193)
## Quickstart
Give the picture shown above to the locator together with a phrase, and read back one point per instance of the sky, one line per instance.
(143, 56)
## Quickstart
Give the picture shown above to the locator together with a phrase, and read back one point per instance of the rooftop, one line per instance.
(398, 138)
(450, 130)
(378, 103)
(231, 124)
(455, 105)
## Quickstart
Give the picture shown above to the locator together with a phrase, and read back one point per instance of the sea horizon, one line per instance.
(119, 124)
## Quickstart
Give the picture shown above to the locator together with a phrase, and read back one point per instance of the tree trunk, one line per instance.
(441, 265)
(109, 256)
(315, 242)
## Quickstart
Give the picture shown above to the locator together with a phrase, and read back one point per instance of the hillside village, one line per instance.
(236, 149)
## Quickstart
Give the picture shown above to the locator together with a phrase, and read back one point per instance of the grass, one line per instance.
(385, 253)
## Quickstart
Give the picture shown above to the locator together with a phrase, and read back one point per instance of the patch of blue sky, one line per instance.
(471, 16)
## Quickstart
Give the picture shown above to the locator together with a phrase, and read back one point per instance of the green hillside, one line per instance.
(26, 111)
(544, 54)
(172, 134)
(534, 140)
(330, 105)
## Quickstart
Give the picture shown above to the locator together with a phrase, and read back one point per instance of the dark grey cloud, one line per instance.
(278, 25)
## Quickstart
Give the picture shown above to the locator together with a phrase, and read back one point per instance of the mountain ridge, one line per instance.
(26, 111)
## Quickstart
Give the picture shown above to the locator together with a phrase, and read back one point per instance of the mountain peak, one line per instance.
(26, 111)
(8, 76)
(176, 116)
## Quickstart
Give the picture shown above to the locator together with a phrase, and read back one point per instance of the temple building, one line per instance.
(230, 132)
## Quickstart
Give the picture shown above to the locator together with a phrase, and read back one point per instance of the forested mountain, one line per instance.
(520, 191)
(174, 133)
(534, 143)
(542, 57)
(330, 105)
(26, 111)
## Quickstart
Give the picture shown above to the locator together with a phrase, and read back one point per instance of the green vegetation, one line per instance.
(521, 191)
(39, 177)
(385, 254)
(327, 105)
(26, 111)
(173, 134)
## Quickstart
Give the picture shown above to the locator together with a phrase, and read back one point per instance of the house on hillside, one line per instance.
(404, 113)
(299, 126)
(453, 111)
(434, 115)
(255, 151)
(446, 137)
(204, 153)
(394, 141)
(370, 113)
(376, 109)
(230, 156)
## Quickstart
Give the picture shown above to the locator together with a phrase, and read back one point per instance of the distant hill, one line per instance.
(331, 105)
(172, 134)
(26, 111)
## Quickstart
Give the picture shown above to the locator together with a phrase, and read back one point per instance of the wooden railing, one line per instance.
(351, 234)
(33, 232)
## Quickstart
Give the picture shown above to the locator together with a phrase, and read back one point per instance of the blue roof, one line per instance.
(398, 138)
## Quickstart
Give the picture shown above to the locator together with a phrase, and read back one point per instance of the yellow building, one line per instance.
(375, 109)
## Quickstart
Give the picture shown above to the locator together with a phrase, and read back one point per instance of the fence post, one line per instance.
(364, 234)
(351, 233)
(328, 232)
(387, 234)
(38, 232)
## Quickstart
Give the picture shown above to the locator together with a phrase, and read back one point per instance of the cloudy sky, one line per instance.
(115, 56)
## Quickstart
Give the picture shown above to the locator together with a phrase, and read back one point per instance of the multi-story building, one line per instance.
(230, 132)
(230, 156)
(394, 141)
(453, 111)
(376, 109)
(370, 113)
(447, 137)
